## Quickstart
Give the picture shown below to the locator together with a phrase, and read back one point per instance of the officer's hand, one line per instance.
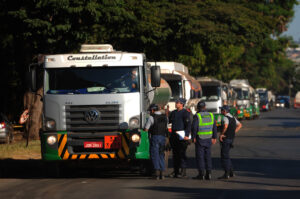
(186, 138)
(221, 137)
(213, 141)
(194, 140)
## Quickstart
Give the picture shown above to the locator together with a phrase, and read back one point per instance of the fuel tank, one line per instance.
(161, 95)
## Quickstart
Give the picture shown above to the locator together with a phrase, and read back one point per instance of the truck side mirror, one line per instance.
(155, 76)
(31, 80)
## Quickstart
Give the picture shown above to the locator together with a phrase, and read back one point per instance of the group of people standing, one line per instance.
(200, 129)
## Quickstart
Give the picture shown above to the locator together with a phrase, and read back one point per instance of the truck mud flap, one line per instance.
(63, 152)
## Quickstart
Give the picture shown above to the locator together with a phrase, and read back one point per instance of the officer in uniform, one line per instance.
(179, 138)
(230, 126)
(157, 127)
(204, 134)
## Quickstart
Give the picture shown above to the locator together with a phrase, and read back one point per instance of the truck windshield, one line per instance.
(211, 93)
(176, 88)
(263, 96)
(239, 93)
(92, 80)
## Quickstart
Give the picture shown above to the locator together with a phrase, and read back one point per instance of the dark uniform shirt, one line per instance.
(180, 121)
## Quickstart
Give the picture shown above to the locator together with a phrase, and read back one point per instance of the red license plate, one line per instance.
(93, 144)
(112, 142)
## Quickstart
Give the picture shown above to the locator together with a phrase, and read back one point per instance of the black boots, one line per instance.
(208, 175)
(231, 173)
(201, 176)
(177, 174)
(225, 176)
(183, 173)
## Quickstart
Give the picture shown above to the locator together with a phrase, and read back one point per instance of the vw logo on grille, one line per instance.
(92, 115)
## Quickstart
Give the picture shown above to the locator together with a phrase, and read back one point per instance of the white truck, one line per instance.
(95, 104)
(182, 84)
(245, 98)
(266, 99)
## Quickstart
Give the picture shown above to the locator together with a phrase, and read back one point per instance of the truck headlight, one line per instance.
(135, 138)
(51, 140)
(50, 124)
(134, 122)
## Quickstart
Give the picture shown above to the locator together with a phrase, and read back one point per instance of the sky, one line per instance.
(294, 26)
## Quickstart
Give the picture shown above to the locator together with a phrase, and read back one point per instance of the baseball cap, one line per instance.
(181, 100)
(225, 107)
(201, 104)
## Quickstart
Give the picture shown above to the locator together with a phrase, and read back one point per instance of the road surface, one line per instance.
(266, 157)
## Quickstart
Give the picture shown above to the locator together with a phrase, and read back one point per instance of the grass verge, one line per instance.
(18, 150)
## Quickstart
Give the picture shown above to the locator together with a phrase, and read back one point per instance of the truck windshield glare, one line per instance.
(93, 80)
(211, 93)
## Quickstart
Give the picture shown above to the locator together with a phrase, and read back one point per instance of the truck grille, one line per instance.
(93, 117)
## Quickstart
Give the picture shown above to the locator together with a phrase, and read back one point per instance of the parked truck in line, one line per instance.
(265, 97)
(95, 105)
(182, 84)
(245, 98)
(215, 95)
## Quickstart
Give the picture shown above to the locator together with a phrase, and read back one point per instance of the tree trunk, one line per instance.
(32, 102)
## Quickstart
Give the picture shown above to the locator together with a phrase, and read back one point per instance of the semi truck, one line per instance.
(265, 97)
(95, 105)
(214, 93)
(245, 98)
(182, 84)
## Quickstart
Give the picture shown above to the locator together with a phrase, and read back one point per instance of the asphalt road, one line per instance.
(266, 157)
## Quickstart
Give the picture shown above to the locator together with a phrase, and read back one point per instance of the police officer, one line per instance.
(179, 138)
(230, 126)
(204, 134)
(157, 126)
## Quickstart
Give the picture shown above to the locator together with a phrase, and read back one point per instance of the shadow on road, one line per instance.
(222, 193)
(281, 118)
(286, 124)
(36, 169)
(31, 169)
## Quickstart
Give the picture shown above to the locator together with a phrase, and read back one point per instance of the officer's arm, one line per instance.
(148, 123)
(171, 117)
(224, 130)
(238, 127)
(195, 127)
(214, 135)
(187, 124)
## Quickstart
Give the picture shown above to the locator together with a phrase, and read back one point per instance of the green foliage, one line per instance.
(222, 38)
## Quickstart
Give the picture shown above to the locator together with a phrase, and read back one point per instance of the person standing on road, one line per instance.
(204, 134)
(179, 138)
(157, 125)
(230, 127)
